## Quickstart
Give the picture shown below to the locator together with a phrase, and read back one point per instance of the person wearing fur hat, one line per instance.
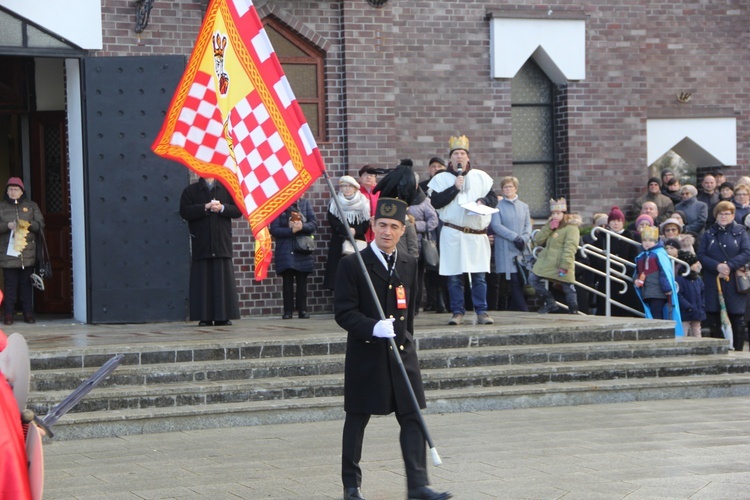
(21, 220)
(464, 244)
(556, 262)
(357, 212)
(696, 212)
(690, 290)
(623, 249)
(724, 251)
(654, 280)
(663, 203)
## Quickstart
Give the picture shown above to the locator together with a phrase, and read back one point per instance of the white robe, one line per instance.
(463, 252)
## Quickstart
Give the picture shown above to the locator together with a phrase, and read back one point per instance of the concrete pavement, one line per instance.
(683, 449)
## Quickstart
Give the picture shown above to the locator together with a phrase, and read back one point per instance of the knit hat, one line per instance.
(666, 171)
(436, 159)
(15, 181)
(616, 214)
(644, 218)
(724, 206)
(672, 242)
(654, 180)
(348, 179)
(729, 185)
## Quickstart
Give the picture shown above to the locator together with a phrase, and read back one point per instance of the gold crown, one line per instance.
(458, 143)
(650, 233)
(558, 205)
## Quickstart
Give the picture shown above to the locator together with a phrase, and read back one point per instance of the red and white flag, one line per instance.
(234, 117)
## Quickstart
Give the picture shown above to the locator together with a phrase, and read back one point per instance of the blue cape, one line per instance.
(672, 309)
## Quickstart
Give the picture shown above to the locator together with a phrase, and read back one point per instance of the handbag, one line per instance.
(743, 283)
(429, 252)
(348, 249)
(304, 244)
(523, 273)
(43, 265)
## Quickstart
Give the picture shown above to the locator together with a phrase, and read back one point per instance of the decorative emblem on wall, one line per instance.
(377, 3)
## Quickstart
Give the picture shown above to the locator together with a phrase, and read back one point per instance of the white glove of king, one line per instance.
(384, 329)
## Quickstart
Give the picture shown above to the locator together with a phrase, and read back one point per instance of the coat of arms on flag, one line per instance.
(234, 117)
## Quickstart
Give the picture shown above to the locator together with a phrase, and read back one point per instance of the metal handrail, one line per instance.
(617, 275)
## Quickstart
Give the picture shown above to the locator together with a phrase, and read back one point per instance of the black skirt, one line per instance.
(213, 293)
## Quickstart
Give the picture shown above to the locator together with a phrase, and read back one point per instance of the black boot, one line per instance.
(549, 306)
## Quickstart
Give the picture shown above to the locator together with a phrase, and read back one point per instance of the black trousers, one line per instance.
(713, 320)
(288, 277)
(17, 285)
(413, 449)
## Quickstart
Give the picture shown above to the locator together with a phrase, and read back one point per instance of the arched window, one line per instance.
(532, 99)
(303, 66)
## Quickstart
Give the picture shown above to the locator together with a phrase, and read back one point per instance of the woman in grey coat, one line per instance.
(512, 228)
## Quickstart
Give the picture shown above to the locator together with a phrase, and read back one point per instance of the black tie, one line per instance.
(389, 260)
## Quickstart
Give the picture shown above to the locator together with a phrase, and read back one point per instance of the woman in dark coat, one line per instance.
(209, 209)
(291, 265)
(21, 215)
(724, 249)
(356, 209)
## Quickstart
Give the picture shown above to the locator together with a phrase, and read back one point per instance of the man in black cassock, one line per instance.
(374, 384)
(209, 209)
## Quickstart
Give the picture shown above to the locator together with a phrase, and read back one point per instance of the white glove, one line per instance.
(384, 329)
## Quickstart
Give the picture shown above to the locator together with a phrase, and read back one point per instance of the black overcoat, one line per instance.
(374, 384)
(210, 232)
(284, 255)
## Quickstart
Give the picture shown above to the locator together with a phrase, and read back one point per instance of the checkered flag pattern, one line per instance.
(264, 162)
(199, 129)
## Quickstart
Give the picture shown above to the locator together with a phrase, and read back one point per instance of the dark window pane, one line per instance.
(532, 133)
(535, 187)
(282, 46)
(311, 114)
(303, 78)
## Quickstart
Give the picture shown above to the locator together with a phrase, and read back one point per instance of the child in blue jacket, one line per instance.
(689, 289)
(654, 280)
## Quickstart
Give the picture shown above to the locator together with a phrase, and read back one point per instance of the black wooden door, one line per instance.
(138, 258)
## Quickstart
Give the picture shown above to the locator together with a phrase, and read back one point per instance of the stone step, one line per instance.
(180, 418)
(292, 366)
(209, 392)
(427, 339)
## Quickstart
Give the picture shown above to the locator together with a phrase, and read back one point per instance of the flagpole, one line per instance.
(394, 348)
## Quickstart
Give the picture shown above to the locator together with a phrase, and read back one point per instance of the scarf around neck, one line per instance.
(356, 209)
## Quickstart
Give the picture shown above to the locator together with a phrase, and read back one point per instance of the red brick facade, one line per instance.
(401, 79)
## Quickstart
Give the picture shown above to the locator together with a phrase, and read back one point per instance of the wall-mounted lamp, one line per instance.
(142, 13)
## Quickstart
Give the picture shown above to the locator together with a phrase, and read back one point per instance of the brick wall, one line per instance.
(403, 78)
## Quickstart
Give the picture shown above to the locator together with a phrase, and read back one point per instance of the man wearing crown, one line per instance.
(464, 245)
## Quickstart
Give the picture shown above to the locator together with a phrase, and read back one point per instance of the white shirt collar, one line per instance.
(379, 254)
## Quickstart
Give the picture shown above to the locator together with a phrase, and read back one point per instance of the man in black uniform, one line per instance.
(373, 381)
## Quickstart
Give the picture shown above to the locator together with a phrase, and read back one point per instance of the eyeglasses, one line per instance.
(671, 229)
(725, 214)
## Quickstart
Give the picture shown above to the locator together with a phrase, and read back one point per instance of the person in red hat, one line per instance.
(21, 222)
